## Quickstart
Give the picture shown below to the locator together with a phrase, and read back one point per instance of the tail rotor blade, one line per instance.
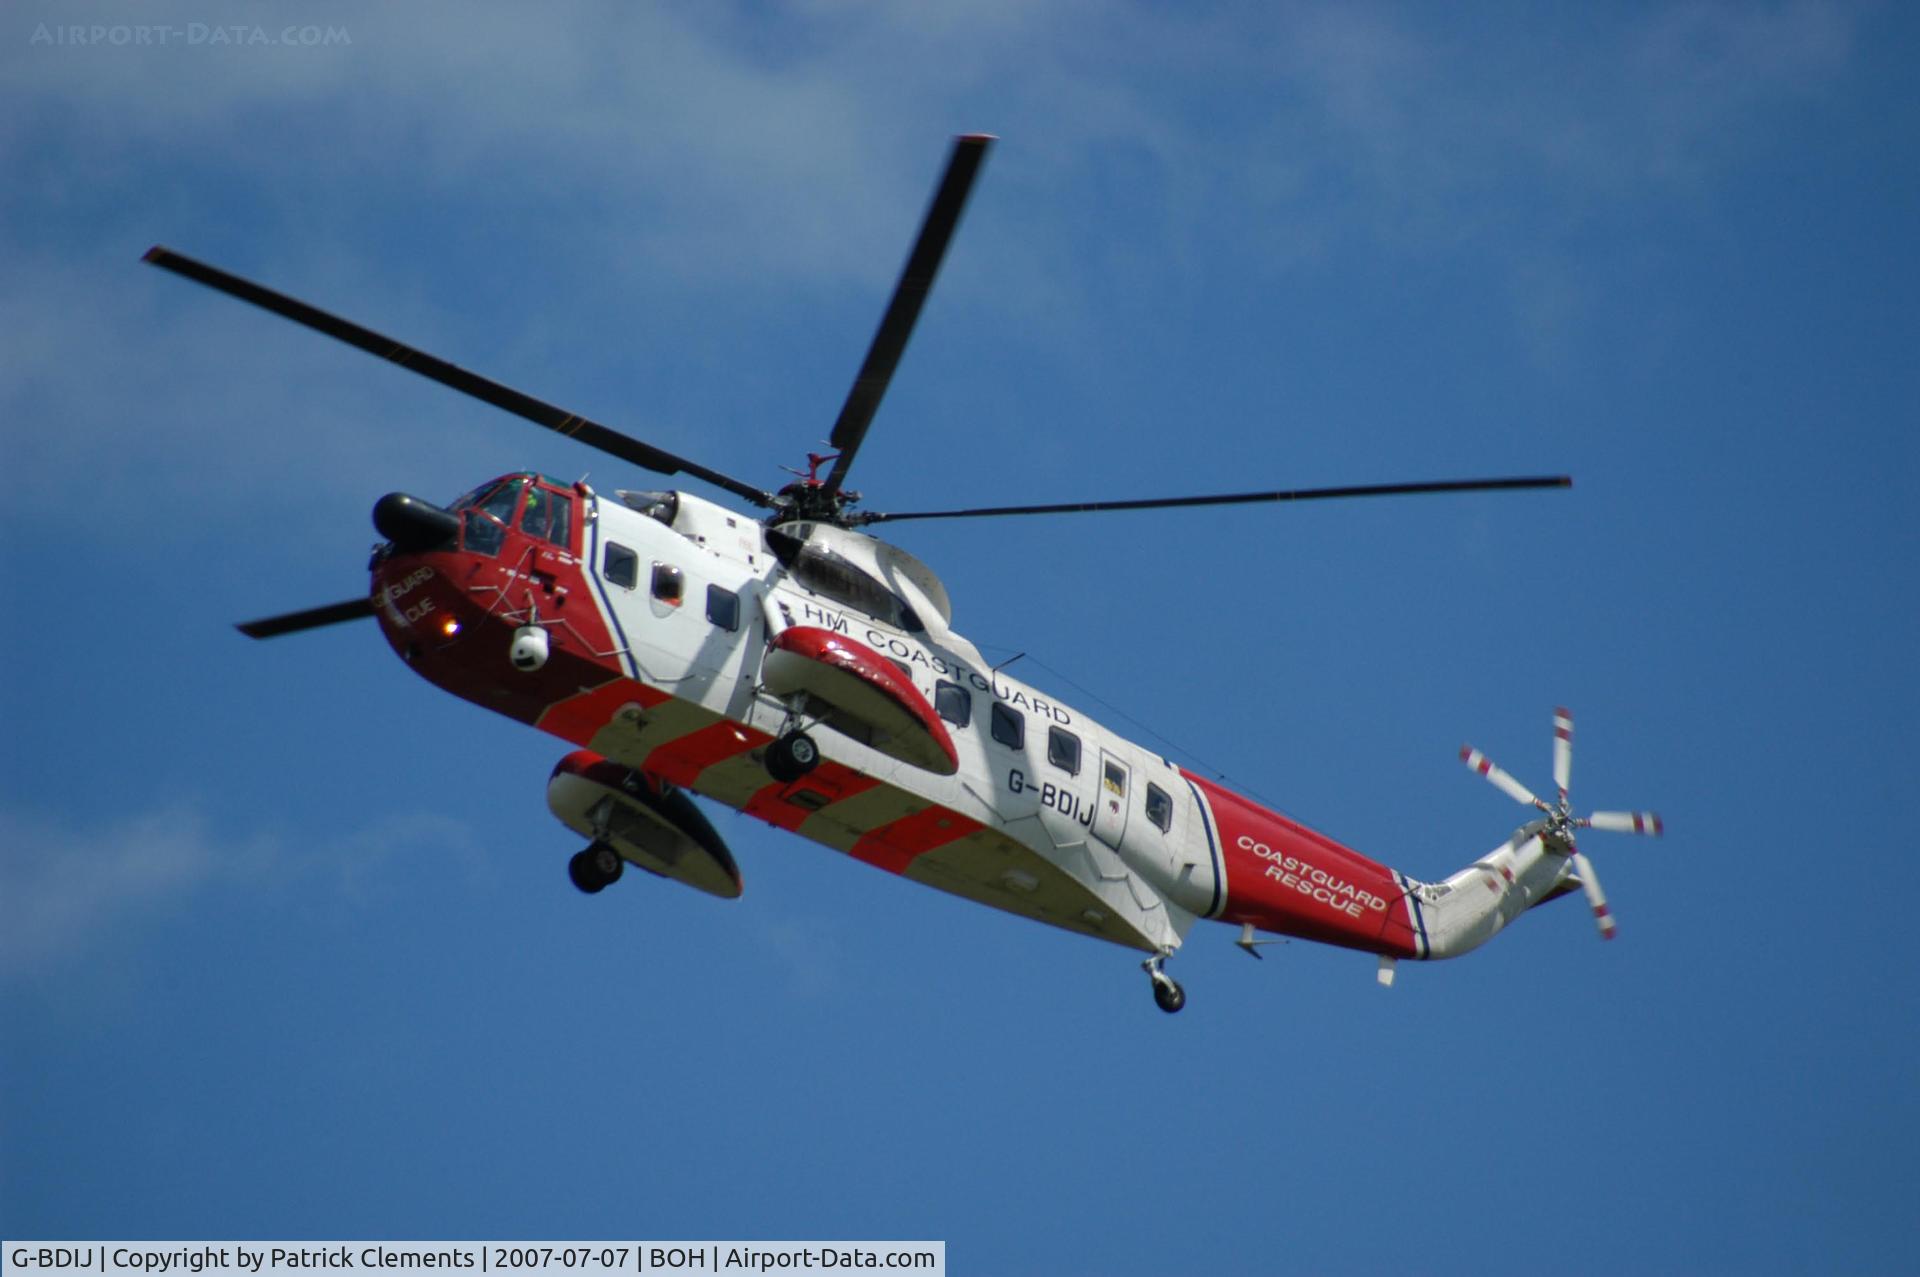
(1590, 882)
(1507, 785)
(1627, 822)
(1562, 750)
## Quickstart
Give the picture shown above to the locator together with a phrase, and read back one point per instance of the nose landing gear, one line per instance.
(1167, 993)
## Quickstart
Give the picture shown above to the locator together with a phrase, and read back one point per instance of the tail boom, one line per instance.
(1467, 909)
(1286, 879)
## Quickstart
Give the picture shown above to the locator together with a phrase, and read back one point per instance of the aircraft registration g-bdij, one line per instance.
(801, 671)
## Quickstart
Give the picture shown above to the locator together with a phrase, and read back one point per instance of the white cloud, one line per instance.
(648, 150)
(63, 885)
(811, 951)
(68, 886)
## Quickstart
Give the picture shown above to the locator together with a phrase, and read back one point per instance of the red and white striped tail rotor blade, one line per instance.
(1479, 762)
(1627, 822)
(1590, 882)
(1562, 750)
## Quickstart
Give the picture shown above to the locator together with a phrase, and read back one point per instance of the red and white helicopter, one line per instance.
(797, 669)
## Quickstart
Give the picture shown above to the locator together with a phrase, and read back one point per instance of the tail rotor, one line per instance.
(1590, 883)
(1562, 750)
(1500, 777)
(1556, 829)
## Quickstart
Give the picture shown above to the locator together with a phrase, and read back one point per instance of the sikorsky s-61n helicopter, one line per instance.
(793, 667)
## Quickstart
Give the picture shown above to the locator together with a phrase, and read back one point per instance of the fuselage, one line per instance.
(658, 610)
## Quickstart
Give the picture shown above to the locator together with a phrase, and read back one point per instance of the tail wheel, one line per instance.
(1167, 993)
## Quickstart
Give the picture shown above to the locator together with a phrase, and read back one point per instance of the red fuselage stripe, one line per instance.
(896, 845)
(830, 780)
(681, 761)
(579, 718)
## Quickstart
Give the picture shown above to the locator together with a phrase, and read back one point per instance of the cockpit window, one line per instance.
(480, 533)
(501, 502)
(549, 515)
(538, 516)
(487, 511)
(471, 498)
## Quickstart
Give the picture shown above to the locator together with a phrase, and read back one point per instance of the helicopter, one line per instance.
(796, 668)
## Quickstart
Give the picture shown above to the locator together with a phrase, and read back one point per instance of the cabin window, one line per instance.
(1159, 807)
(1009, 725)
(1114, 777)
(620, 565)
(1063, 750)
(669, 584)
(953, 703)
(723, 607)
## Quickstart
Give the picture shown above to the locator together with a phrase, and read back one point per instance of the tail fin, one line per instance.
(1465, 910)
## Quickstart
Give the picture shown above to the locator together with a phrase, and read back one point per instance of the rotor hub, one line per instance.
(813, 502)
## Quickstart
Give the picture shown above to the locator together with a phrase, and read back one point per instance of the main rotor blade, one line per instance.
(1232, 498)
(538, 411)
(896, 325)
(311, 619)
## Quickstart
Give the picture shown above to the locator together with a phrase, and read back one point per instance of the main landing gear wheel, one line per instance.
(791, 757)
(1167, 993)
(596, 868)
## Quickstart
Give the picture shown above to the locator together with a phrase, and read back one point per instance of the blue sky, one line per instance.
(286, 942)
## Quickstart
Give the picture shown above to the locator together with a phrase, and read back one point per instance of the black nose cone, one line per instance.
(413, 524)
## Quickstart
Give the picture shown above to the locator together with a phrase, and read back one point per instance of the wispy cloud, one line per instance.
(707, 157)
(62, 885)
(68, 886)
